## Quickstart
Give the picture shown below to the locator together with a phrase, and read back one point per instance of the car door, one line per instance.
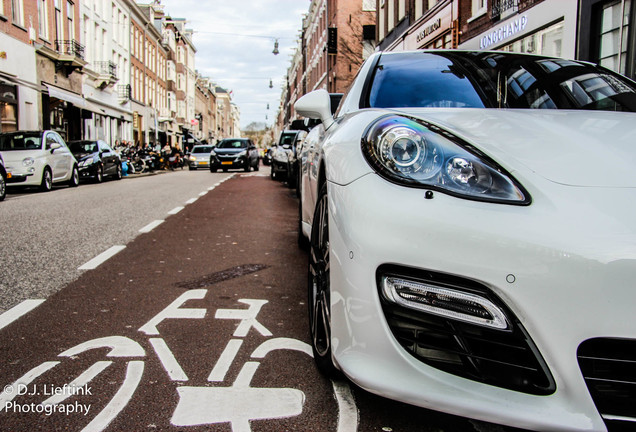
(56, 157)
(108, 158)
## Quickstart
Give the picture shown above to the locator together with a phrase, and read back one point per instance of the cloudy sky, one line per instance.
(234, 41)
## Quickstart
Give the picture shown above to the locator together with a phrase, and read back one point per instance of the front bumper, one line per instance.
(566, 278)
(228, 162)
(200, 163)
(24, 176)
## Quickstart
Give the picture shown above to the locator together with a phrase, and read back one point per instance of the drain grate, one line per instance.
(223, 275)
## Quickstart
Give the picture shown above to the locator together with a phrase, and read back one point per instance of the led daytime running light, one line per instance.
(446, 302)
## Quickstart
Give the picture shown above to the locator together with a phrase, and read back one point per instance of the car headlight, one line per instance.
(27, 162)
(243, 153)
(192, 158)
(416, 153)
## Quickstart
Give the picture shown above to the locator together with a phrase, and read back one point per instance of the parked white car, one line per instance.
(470, 251)
(37, 158)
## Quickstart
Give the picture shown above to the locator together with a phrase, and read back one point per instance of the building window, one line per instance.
(43, 22)
(17, 12)
(613, 35)
(59, 23)
(478, 8)
(70, 31)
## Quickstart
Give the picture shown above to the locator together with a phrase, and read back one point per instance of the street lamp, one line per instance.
(271, 85)
(276, 52)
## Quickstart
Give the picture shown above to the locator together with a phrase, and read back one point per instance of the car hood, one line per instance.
(228, 151)
(13, 156)
(576, 148)
(83, 155)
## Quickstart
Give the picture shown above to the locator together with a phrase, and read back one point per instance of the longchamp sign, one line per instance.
(503, 32)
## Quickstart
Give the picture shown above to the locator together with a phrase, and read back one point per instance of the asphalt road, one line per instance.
(196, 323)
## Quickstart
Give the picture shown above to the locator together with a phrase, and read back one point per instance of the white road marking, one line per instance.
(173, 311)
(247, 317)
(152, 225)
(175, 210)
(102, 257)
(133, 377)
(203, 193)
(225, 361)
(11, 391)
(168, 360)
(78, 383)
(347, 410)
(120, 346)
(191, 200)
(280, 344)
(18, 310)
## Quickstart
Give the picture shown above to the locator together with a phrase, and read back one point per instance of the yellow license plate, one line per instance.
(226, 163)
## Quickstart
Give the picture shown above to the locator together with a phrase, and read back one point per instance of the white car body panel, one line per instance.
(564, 264)
(61, 162)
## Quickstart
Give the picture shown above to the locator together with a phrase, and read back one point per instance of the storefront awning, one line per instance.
(66, 95)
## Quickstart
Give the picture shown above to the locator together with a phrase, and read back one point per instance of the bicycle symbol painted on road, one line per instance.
(237, 404)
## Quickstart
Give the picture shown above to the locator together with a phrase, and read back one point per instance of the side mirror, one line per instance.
(316, 105)
(55, 146)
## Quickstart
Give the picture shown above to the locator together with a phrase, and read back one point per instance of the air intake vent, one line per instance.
(609, 369)
(503, 358)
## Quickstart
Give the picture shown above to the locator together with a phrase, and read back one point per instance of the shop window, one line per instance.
(547, 41)
(8, 108)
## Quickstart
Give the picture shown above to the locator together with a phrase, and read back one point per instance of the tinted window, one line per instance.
(202, 149)
(287, 139)
(496, 80)
(20, 141)
(83, 146)
(232, 144)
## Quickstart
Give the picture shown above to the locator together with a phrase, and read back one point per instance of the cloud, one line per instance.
(234, 42)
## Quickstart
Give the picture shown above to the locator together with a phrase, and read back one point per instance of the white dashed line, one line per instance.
(175, 210)
(95, 262)
(203, 193)
(191, 200)
(152, 225)
(17, 311)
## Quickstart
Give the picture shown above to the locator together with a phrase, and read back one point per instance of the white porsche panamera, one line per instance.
(472, 237)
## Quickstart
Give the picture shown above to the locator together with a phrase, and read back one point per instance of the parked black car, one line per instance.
(96, 159)
(234, 153)
(3, 180)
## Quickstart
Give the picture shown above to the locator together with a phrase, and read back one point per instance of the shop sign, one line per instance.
(428, 30)
(503, 32)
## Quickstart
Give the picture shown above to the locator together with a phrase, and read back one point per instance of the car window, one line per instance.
(20, 141)
(232, 144)
(50, 139)
(202, 149)
(496, 80)
(104, 147)
(286, 139)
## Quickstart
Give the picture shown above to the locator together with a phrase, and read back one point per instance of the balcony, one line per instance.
(107, 73)
(68, 55)
(123, 93)
(503, 8)
(70, 48)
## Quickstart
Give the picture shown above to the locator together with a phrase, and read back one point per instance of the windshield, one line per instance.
(20, 141)
(232, 144)
(496, 80)
(83, 146)
(202, 149)
(287, 139)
